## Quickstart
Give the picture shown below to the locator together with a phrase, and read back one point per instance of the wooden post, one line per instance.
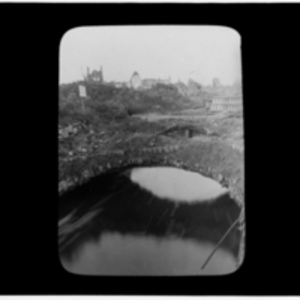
(83, 96)
(82, 104)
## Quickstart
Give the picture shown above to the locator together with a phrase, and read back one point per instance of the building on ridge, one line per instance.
(226, 104)
(135, 81)
(94, 76)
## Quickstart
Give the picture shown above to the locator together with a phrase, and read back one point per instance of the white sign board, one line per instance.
(82, 91)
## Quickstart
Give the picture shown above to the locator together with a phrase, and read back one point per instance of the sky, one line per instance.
(200, 53)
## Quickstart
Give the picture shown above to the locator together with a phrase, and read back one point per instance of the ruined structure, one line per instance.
(135, 81)
(217, 90)
(226, 104)
(94, 76)
(164, 81)
(150, 82)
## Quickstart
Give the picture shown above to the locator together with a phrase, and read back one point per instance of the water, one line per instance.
(135, 224)
(177, 184)
(117, 254)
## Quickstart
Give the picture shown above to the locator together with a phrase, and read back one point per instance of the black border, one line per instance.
(34, 32)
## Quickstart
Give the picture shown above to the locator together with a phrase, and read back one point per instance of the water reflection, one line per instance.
(110, 221)
(177, 184)
(116, 254)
